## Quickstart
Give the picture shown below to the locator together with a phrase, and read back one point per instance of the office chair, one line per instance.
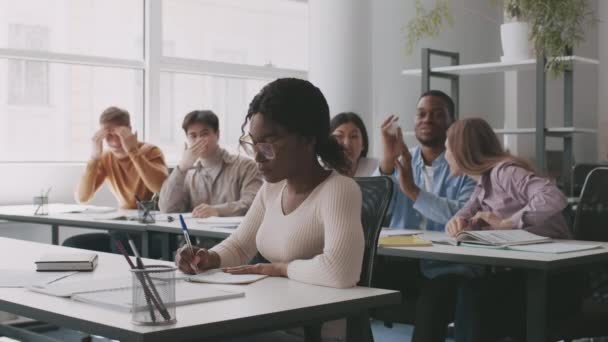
(590, 224)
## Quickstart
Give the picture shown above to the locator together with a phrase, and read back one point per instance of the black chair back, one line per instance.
(579, 175)
(377, 192)
(591, 219)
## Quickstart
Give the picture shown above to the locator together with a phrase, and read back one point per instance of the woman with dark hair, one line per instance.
(349, 130)
(306, 219)
(509, 195)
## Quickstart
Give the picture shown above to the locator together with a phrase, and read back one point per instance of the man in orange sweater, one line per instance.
(130, 167)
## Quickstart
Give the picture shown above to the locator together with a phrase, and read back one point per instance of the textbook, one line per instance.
(403, 241)
(500, 238)
(67, 262)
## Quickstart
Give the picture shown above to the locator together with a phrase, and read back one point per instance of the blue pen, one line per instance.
(187, 238)
(186, 235)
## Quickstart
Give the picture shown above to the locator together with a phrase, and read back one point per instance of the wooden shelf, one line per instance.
(495, 67)
(551, 131)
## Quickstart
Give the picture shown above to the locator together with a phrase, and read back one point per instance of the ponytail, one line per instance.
(332, 155)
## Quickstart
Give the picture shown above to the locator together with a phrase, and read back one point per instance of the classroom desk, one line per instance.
(25, 213)
(537, 267)
(268, 305)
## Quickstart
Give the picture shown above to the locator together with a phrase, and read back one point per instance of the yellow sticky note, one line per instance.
(403, 241)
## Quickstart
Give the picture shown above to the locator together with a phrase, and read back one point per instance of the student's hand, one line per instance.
(391, 145)
(204, 211)
(97, 143)
(192, 153)
(456, 225)
(128, 139)
(275, 269)
(198, 261)
(488, 220)
(406, 175)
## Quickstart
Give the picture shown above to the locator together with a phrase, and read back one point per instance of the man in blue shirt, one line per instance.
(425, 196)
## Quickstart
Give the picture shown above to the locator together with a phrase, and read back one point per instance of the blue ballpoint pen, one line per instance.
(187, 238)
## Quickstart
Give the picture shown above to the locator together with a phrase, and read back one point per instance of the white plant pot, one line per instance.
(515, 43)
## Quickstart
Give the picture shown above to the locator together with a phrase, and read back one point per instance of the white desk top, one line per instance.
(499, 257)
(25, 213)
(269, 303)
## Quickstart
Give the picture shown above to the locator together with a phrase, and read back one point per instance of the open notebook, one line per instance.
(217, 276)
(500, 238)
(115, 293)
(185, 293)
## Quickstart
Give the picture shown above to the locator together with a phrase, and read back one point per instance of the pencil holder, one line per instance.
(41, 203)
(145, 211)
(153, 295)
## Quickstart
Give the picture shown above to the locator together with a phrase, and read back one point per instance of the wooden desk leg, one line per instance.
(536, 306)
(358, 328)
(145, 245)
(55, 234)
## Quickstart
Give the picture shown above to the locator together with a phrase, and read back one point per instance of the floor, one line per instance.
(398, 333)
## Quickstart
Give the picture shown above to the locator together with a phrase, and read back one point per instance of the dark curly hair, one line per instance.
(301, 108)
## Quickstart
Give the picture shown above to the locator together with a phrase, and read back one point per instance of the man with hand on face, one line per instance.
(131, 168)
(209, 181)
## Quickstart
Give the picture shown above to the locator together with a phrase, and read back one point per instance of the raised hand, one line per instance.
(97, 143)
(128, 139)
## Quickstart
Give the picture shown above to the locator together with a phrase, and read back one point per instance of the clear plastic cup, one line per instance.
(153, 295)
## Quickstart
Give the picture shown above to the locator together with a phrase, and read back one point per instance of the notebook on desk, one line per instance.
(500, 238)
(185, 293)
(67, 262)
(403, 241)
(116, 293)
(217, 276)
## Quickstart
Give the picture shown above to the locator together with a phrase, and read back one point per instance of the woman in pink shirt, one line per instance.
(509, 195)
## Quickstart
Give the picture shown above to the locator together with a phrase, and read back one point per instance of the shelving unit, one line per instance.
(453, 72)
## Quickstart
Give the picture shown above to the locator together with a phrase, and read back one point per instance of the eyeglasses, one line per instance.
(252, 148)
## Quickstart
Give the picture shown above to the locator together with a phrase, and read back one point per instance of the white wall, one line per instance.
(340, 54)
(476, 39)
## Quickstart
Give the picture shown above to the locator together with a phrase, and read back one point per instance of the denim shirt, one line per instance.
(449, 194)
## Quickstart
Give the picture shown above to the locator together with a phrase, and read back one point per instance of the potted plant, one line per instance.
(554, 27)
(514, 33)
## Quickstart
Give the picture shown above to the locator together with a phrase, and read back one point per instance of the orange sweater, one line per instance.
(142, 173)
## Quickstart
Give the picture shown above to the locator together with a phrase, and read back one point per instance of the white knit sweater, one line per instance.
(321, 240)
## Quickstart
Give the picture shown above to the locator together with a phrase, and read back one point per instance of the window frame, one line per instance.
(151, 64)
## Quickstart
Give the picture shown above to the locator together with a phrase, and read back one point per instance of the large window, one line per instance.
(255, 32)
(63, 61)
